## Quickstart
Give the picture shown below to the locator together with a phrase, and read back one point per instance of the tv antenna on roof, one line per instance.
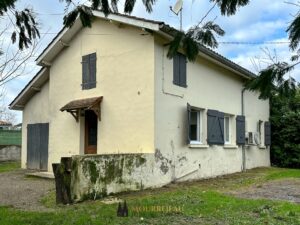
(177, 9)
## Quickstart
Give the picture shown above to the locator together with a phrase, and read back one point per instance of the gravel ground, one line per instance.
(288, 189)
(23, 192)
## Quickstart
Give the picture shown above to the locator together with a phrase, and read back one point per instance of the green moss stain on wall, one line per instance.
(97, 173)
(113, 170)
(90, 169)
(140, 160)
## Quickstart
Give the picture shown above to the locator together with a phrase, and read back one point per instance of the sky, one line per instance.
(255, 30)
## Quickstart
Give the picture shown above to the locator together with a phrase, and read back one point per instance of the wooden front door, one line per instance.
(91, 127)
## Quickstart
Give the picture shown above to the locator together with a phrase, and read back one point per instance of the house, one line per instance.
(4, 125)
(18, 126)
(110, 90)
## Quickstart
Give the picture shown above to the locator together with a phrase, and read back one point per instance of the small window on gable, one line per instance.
(179, 70)
(89, 71)
(227, 129)
(194, 125)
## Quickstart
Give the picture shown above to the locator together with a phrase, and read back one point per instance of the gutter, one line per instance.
(169, 33)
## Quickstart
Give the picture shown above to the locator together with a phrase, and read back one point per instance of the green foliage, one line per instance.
(190, 47)
(85, 14)
(293, 31)
(193, 38)
(206, 34)
(6, 5)
(285, 120)
(284, 98)
(129, 5)
(175, 44)
(229, 7)
(27, 28)
(271, 81)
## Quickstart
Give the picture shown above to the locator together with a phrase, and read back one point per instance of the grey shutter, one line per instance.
(92, 62)
(267, 133)
(240, 130)
(85, 72)
(33, 140)
(221, 140)
(215, 127)
(37, 146)
(188, 122)
(179, 70)
(182, 70)
(176, 69)
(44, 139)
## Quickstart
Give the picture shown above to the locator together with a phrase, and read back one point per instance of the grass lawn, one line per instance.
(201, 202)
(9, 166)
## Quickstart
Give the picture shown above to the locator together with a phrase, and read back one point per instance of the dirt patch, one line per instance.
(288, 189)
(22, 192)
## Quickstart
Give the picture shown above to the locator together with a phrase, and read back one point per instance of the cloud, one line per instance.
(260, 21)
(258, 31)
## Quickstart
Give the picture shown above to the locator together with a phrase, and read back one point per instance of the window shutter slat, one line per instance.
(92, 68)
(267, 133)
(215, 127)
(182, 70)
(85, 72)
(221, 138)
(240, 130)
(189, 122)
(179, 70)
(176, 69)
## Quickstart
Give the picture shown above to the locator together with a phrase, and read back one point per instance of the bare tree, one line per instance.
(13, 60)
(274, 76)
(6, 114)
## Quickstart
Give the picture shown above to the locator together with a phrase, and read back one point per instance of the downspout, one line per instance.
(243, 146)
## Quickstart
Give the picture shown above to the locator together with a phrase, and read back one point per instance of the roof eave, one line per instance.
(30, 89)
(63, 37)
(211, 55)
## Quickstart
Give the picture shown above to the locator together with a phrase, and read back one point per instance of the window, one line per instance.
(195, 126)
(89, 71)
(179, 70)
(227, 130)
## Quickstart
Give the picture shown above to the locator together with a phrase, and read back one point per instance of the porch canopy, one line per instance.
(74, 107)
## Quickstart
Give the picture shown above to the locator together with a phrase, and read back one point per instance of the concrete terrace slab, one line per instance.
(48, 175)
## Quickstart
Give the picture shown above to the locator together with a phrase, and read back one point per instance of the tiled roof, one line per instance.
(4, 123)
(82, 103)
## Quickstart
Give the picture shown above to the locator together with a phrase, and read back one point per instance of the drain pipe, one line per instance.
(243, 146)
